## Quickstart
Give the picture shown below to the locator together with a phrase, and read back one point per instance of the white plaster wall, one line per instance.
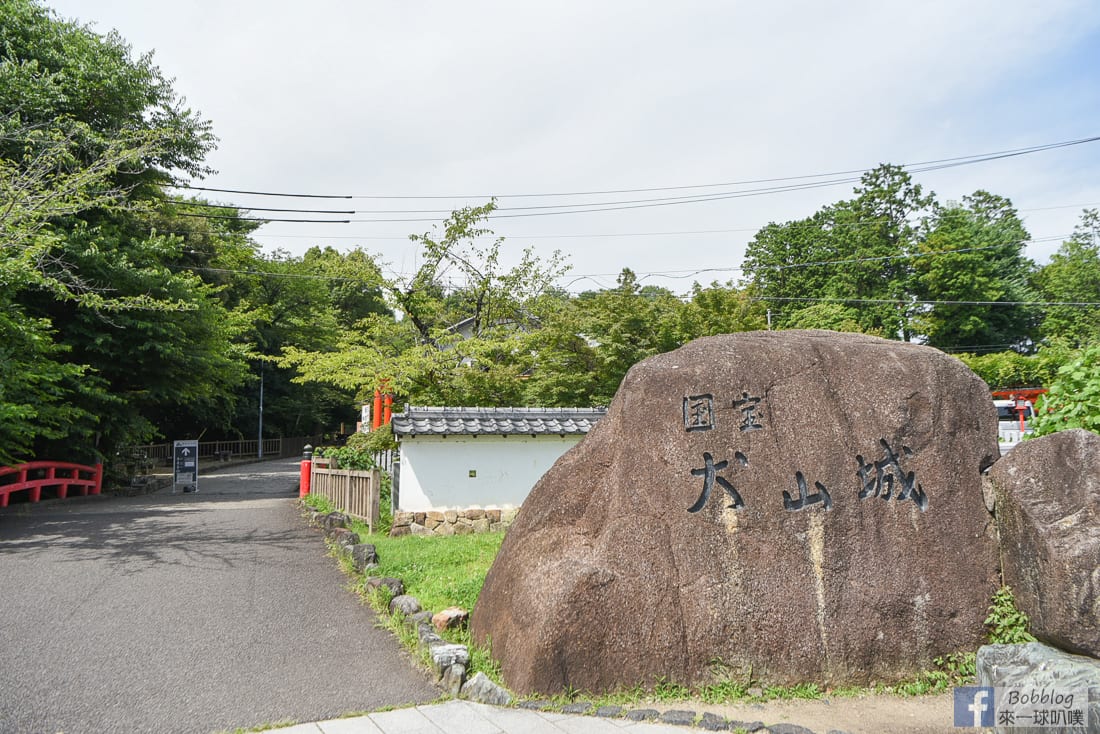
(435, 471)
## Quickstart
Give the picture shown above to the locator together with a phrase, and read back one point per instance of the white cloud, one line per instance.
(478, 97)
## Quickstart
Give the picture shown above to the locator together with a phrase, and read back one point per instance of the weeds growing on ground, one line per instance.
(1006, 624)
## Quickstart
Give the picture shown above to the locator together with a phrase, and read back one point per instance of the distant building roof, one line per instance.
(426, 421)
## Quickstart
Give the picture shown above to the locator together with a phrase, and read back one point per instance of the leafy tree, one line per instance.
(871, 264)
(781, 262)
(832, 316)
(109, 332)
(1073, 275)
(353, 283)
(974, 256)
(720, 309)
(854, 250)
(586, 346)
(1073, 400)
(55, 71)
(875, 232)
(462, 316)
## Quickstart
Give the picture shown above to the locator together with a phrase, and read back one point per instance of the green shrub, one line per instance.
(1074, 397)
(1006, 370)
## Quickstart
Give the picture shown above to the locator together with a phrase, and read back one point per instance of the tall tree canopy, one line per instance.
(1073, 276)
(102, 328)
(872, 264)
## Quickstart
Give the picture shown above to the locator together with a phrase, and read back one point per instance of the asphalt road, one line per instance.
(185, 613)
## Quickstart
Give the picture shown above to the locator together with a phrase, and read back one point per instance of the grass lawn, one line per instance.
(449, 571)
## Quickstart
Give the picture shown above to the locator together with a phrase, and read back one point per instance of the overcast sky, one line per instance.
(467, 99)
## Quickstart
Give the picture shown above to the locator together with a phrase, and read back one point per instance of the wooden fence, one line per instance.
(352, 491)
(161, 453)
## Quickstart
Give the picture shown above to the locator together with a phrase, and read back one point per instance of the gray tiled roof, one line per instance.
(425, 421)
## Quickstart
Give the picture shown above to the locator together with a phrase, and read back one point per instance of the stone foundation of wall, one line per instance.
(451, 522)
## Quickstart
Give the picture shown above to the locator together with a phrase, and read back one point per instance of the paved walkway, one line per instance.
(464, 717)
(185, 613)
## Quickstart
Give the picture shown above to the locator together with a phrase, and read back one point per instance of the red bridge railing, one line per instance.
(34, 476)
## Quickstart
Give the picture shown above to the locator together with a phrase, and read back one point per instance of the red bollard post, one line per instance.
(306, 471)
(98, 488)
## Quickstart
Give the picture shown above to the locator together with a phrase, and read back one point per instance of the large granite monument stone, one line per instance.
(794, 506)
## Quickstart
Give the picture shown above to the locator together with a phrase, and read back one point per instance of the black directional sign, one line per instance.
(186, 461)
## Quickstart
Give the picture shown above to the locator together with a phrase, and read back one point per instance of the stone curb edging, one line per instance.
(450, 662)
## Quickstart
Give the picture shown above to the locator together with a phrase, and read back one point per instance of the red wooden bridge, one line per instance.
(34, 476)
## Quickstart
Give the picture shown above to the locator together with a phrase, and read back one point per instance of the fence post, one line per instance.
(306, 470)
(98, 479)
(375, 498)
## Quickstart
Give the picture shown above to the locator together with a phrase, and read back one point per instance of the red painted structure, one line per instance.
(382, 410)
(1020, 393)
(376, 413)
(34, 476)
(305, 474)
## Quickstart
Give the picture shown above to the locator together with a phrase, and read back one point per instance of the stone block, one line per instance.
(1036, 666)
(453, 678)
(479, 688)
(364, 556)
(395, 586)
(450, 618)
(678, 717)
(444, 656)
(404, 605)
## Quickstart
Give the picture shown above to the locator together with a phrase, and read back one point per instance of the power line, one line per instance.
(260, 208)
(935, 164)
(261, 219)
(905, 302)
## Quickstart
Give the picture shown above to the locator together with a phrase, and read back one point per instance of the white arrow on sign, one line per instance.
(186, 452)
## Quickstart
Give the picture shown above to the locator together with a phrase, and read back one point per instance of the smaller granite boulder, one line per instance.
(453, 678)
(422, 617)
(450, 618)
(428, 638)
(396, 587)
(404, 605)
(444, 656)
(334, 520)
(1035, 666)
(1048, 514)
(364, 556)
(481, 689)
(344, 538)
